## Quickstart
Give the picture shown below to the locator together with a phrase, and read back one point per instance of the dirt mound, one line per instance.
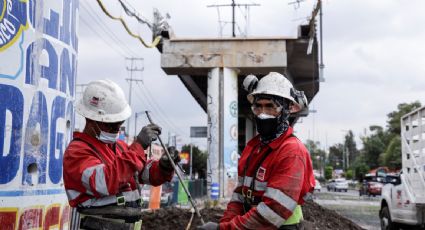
(316, 217)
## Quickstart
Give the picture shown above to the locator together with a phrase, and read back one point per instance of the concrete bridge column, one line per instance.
(223, 128)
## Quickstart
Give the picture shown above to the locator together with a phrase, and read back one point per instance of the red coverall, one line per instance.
(282, 182)
(94, 178)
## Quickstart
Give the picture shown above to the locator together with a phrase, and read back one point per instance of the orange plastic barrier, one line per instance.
(155, 199)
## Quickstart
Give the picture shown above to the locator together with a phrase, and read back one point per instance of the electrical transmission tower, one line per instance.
(233, 5)
(134, 67)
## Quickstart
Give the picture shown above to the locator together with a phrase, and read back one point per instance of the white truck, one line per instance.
(403, 196)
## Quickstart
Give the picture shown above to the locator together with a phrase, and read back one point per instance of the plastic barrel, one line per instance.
(215, 190)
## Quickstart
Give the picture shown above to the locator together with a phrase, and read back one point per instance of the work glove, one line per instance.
(208, 226)
(165, 163)
(148, 134)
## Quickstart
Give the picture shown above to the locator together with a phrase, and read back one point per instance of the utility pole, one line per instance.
(233, 5)
(190, 160)
(321, 65)
(233, 18)
(133, 68)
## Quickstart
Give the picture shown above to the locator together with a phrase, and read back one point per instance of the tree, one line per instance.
(317, 155)
(373, 146)
(199, 159)
(335, 156)
(360, 167)
(392, 156)
(383, 147)
(349, 174)
(393, 122)
(328, 172)
(351, 150)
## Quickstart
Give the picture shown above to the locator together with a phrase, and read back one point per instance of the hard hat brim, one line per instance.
(295, 108)
(107, 118)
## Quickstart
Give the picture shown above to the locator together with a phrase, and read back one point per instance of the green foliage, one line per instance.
(317, 155)
(392, 156)
(361, 170)
(349, 174)
(394, 117)
(373, 146)
(199, 159)
(328, 172)
(360, 167)
(335, 156)
(351, 148)
(383, 147)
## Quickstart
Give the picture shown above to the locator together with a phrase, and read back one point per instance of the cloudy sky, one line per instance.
(374, 54)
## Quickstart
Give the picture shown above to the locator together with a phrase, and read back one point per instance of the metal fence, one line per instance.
(197, 189)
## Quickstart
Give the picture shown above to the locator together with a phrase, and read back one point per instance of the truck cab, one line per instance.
(403, 195)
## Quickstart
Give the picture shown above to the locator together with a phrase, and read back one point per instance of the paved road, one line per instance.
(362, 210)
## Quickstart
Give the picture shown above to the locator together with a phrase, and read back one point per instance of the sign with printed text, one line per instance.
(38, 56)
(201, 131)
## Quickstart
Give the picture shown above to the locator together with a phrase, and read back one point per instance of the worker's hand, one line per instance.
(165, 163)
(208, 226)
(148, 134)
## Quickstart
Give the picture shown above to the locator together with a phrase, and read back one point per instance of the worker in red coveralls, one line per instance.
(102, 175)
(275, 171)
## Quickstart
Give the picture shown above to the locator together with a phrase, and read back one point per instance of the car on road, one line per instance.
(371, 186)
(338, 185)
(317, 187)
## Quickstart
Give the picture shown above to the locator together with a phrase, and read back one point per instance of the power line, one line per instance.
(132, 13)
(120, 52)
(156, 41)
(96, 19)
(133, 68)
(155, 106)
(233, 5)
(160, 119)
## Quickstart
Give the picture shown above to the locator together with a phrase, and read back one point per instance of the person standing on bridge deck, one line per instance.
(275, 172)
(103, 174)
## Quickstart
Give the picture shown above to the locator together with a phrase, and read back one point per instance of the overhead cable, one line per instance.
(163, 115)
(107, 31)
(154, 43)
(120, 52)
(134, 14)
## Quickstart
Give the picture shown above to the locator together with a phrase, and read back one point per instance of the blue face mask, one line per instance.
(108, 138)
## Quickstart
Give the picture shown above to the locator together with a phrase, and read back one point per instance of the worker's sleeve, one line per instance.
(152, 173)
(234, 207)
(279, 200)
(98, 179)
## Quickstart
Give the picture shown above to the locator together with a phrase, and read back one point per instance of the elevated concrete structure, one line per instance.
(213, 70)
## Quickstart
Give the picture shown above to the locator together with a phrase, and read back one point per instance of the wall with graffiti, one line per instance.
(38, 56)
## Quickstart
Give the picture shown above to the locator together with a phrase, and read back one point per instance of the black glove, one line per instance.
(165, 163)
(148, 134)
(208, 226)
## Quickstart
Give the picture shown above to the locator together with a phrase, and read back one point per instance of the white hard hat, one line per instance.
(276, 84)
(104, 100)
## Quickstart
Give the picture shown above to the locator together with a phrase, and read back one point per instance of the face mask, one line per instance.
(108, 138)
(267, 125)
(105, 137)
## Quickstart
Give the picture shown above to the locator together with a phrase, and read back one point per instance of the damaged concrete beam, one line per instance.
(198, 56)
